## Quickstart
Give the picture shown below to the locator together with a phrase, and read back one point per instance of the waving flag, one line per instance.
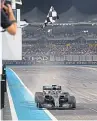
(51, 17)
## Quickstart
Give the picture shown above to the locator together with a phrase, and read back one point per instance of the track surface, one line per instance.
(79, 81)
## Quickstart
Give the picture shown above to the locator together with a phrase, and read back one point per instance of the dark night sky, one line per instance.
(85, 6)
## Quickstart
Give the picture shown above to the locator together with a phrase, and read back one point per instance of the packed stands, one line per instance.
(60, 31)
(58, 43)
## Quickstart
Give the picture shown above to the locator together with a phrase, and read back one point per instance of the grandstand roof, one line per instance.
(73, 15)
(35, 15)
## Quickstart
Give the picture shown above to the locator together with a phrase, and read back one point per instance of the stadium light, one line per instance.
(14, 2)
(19, 2)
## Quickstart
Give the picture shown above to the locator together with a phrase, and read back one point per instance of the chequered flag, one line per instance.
(51, 17)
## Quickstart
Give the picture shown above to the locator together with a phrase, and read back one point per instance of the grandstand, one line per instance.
(64, 43)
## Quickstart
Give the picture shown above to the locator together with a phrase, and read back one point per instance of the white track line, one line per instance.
(91, 94)
(90, 68)
(93, 110)
(46, 111)
(12, 108)
(87, 94)
(0, 114)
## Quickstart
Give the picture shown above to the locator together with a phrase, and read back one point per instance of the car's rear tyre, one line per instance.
(73, 102)
(39, 98)
(39, 105)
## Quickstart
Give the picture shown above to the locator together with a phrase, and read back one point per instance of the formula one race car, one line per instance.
(52, 97)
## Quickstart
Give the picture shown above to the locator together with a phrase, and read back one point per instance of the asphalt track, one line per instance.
(79, 81)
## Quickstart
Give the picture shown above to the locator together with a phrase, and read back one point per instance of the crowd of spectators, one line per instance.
(43, 51)
(60, 31)
(61, 48)
(52, 41)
